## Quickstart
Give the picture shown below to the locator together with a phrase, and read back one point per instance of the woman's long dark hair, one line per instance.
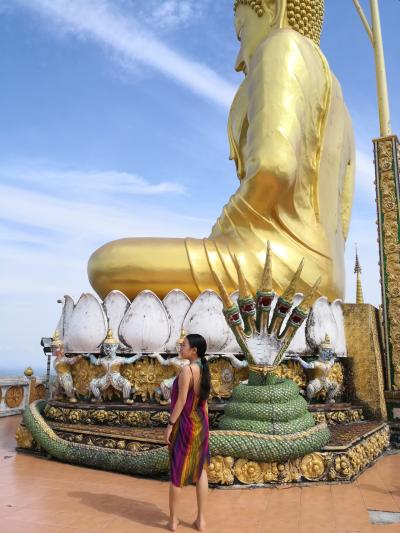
(197, 341)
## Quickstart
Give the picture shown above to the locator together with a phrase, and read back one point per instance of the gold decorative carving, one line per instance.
(292, 370)
(221, 470)
(82, 373)
(365, 355)
(224, 377)
(24, 438)
(146, 375)
(388, 219)
(347, 465)
(14, 396)
(40, 392)
(339, 417)
(248, 472)
(36, 391)
(107, 442)
(313, 466)
(111, 417)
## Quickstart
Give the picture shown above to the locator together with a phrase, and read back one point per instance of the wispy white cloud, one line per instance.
(102, 21)
(80, 182)
(100, 221)
(47, 237)
(170, 14)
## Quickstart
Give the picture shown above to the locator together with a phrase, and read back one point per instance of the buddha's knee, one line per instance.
(136, 264)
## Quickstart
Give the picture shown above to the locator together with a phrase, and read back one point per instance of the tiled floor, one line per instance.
(39, 495)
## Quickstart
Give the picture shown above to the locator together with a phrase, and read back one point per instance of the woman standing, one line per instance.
(187, 430)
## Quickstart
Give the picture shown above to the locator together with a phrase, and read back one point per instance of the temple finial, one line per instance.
(357, 271)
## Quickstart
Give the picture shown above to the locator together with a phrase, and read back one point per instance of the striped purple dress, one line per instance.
(189, 451)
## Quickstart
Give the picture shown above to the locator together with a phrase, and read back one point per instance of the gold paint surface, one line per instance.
(387, 152)
(24, 438)
(291, 138)
(365, 352)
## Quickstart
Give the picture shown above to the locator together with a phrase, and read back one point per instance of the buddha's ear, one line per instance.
(278, 8)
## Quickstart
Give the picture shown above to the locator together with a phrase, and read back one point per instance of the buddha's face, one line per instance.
(251, 30)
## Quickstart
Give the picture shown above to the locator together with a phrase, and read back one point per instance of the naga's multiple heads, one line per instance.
(259, 330)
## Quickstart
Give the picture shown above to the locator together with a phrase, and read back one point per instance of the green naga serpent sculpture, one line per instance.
(266, 420)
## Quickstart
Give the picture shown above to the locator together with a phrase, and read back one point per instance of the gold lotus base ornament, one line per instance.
(318, 466)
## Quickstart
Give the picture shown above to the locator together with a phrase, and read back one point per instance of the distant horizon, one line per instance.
(114, 119)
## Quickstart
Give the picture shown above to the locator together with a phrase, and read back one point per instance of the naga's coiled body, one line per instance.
(262, 423)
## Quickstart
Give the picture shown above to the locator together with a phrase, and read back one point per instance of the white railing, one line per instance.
(18, 392)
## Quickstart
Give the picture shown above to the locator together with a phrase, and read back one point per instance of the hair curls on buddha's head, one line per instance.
(304, 16)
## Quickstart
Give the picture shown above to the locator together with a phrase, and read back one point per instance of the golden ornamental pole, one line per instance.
(381, 79)
(387, 178)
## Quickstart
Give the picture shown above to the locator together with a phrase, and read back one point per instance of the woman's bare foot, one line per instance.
(173, 523)
(199, 524)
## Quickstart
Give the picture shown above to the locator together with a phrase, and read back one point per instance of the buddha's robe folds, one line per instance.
(291, 137)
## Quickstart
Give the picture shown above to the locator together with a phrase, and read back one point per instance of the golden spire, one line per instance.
(357, 271)
(266, 281)
(291, 289)
(244, 291)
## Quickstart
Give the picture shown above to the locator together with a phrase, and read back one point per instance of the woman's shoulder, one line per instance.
(185, 372)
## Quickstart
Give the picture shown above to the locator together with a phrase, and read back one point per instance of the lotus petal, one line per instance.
(115, 305)
(205, 317)
(145, 326)
(66, 313)
(319, 323)
(177, 304)
(337, 310)
(86, 328)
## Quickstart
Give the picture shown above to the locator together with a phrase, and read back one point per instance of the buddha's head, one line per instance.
(254, 19)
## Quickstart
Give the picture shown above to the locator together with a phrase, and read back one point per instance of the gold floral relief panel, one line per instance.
(146, 375)
(387, 150)
(82, 374)
(224, 377)
(14, 396)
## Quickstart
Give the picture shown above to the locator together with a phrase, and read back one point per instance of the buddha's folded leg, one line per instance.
(135, 264)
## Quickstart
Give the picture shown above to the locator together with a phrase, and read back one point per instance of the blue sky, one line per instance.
(113, 124)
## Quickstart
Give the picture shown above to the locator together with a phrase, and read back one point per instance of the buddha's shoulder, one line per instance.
(284, 41)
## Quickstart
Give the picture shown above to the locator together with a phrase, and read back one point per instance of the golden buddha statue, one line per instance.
(291, 138)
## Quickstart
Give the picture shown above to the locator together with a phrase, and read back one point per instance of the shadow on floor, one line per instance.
(135, 510)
